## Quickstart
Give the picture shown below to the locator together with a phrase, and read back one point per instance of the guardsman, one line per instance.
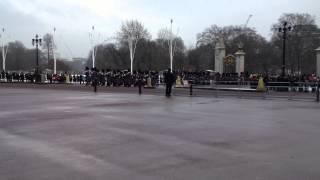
(94, 78)
(87, 74)
(169, 80)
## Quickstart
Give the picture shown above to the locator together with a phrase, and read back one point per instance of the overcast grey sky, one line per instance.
(73, 19)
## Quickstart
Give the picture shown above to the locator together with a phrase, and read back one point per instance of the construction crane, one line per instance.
(240, 44)
(248, 20)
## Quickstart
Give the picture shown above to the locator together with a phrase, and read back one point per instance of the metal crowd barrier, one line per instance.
(241, 89)
(284, 90)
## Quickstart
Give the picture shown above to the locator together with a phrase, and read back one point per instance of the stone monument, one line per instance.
(220, 53)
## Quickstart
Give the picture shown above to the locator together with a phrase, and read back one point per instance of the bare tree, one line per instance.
(214, 34)
(48, 45)
(172, 41)
(209, 35)
(131, 32)
(164, 34)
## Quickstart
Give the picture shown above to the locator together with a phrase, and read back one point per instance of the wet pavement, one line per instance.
(212, 92)
(46, 134)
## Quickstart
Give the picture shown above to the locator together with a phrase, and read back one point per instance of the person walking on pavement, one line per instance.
(169, 80)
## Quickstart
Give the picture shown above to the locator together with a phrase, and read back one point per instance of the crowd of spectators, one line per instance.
(124, 78)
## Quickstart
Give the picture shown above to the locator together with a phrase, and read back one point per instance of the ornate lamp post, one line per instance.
(37, 42)
(284, 29)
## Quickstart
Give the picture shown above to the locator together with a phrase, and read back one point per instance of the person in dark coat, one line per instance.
(87, 73)
(169, 80)
(94, 78)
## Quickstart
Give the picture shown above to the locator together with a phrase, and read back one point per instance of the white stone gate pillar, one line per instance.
(240, 61)
(220, 53)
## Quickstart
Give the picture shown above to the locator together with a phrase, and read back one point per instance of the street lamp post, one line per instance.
(36, 42)
(284, 29)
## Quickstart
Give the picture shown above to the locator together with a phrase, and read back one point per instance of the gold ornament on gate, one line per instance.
(229, 60)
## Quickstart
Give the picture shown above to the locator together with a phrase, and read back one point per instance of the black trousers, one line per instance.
(168, 89)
